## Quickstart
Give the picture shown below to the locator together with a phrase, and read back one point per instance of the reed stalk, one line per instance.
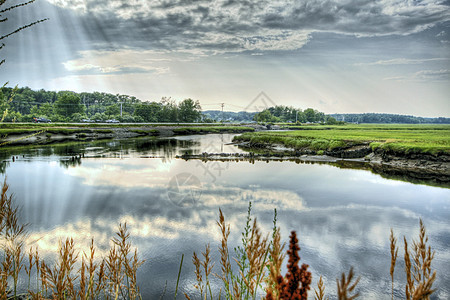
(345, 287)
(394, 254)
(320, 292)
(178, 277)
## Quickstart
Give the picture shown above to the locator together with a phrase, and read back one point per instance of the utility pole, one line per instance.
(118, 99)
(222, 104)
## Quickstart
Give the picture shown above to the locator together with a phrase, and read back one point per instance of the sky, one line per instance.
(348, 56)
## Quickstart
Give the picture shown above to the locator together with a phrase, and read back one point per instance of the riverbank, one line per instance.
(33, 134)
(422, 171)
(417, 151)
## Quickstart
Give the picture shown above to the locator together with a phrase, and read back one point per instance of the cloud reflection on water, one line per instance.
(343, 216)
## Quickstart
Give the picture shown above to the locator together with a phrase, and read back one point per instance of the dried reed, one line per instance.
(198, 273)
(60, 278)
(345, 286)
(394, 254)
(12, 237)
(225, 255)
(275, 262)
(116, 275)
(419, 276)
(320, 292)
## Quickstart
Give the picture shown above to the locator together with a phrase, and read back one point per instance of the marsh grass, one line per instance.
(400, 139)
(346, 286)
(419, 274)
(114, 277)
(319, 294)
(254, 270)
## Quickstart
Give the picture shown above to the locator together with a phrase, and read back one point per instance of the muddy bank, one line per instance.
(44, 136)
(417, 168)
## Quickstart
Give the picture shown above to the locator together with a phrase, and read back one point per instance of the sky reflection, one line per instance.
(342, 216)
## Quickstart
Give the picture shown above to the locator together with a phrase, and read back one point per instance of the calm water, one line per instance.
(342, 216)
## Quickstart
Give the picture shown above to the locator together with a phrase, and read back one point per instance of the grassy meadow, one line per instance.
(433, 139)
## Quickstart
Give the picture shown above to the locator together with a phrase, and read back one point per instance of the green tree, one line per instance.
(112, 110)
(99, 117)
(264, 116)
(127, 118)
(319, 116)
(45, 110)
(77, 117)
(149, 112)
(310, 115)
(68, 103)
(4, 105)
(169, 110)
(190, 111)
(331, 121)
(23, 100)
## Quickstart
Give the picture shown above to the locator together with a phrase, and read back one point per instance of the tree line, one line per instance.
(388, 118)
(67, 106)
(292, 115)
(289, 114)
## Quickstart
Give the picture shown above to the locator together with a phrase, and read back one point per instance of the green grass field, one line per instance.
(434, 139)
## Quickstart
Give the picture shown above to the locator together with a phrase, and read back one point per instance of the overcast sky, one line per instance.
(351, 56)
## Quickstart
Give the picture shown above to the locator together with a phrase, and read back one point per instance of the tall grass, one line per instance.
(112, 277)
(254, 271)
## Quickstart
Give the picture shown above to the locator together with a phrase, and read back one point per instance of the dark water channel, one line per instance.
(342, 216)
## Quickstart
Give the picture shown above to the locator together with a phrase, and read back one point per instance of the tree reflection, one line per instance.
(74, 161)
(3, 166)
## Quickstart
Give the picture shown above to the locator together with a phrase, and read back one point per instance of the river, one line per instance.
(342, 216)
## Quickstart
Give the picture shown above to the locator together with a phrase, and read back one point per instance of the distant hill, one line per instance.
(388, 118)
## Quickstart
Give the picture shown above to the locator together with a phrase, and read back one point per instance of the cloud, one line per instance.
(441, 34)
(117, 62)
(424, 75)
(432, 75)
(255, 25)
(402, 61)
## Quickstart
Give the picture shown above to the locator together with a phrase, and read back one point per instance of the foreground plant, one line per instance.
(296, 283)
(258, 262)
(251, 263)
(419, 275)
(345, 287)
(113, 278)
(12, 238)
(256, 253)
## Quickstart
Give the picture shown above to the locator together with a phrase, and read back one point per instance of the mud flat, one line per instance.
(51, 135)
(418, 168)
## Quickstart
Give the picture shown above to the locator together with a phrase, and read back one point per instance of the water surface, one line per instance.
(342, 216)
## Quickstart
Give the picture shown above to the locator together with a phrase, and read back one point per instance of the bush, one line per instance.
(128, 119)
